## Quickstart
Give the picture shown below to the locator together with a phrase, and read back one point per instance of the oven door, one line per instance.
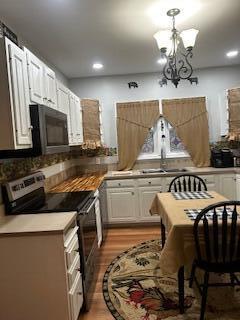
(88, 250)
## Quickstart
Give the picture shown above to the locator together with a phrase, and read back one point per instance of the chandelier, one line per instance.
(177, 65)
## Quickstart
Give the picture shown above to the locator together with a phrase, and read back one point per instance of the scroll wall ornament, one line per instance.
(177, 66)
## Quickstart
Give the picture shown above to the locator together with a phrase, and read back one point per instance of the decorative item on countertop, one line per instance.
(177, 66)
(132, 84)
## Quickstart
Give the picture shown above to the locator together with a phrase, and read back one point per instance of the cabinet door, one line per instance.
(228, 186)
(35, 76)
(72, 121)
(78, 119)
(238, 187)
(146, 196)
(20, 94)
(62, 98)
(122, 205)
(50, 87)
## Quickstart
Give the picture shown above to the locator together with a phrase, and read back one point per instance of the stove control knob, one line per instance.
(16, 187)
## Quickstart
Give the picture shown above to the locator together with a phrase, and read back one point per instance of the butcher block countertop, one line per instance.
(86, 182)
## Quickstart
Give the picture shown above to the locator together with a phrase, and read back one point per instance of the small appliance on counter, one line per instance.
(222, 158)
(27, 196)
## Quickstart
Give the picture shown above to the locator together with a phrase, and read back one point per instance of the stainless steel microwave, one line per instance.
(49, 130)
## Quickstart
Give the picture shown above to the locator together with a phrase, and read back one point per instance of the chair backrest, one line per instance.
(217, 233)
(187, 182)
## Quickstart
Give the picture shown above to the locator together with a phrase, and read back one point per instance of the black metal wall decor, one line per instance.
(171, 43)
(132, 84)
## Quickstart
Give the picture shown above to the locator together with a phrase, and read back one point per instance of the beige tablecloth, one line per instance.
(179, 249)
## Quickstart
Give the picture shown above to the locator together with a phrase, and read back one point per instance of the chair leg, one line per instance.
(181, 289)
(192, 276)
(204, 295)
(163, 234)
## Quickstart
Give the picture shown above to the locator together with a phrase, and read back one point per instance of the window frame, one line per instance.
(160, 145)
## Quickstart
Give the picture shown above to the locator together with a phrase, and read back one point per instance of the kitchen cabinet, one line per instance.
(50, 89)
(122, 205)
(39, 274)
(98, 218)
(228, 186)
(76, 128)
(35, 69)
(145, 199)
(18, 109)
(63, 98)
(238, 187)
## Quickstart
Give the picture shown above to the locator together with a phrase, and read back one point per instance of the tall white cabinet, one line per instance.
(18, 92)
(50, 88)
(35, 77)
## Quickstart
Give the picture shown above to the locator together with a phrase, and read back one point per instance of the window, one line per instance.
(162, 142)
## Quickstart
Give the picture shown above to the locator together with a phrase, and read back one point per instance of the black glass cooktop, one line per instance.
(54, 202)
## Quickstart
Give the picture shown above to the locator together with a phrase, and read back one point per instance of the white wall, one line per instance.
(213, 83)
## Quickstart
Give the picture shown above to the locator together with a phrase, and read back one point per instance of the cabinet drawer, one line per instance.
(76, 297)
(73, 271)
(69, 235)
(72, 251)
(120, 183)
(150, 182)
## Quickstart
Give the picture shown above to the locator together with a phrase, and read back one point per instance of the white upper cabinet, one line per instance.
(76, 128)
(36, 78)
(79, 125)
(50, 89)
(62, 98)
(18, 84)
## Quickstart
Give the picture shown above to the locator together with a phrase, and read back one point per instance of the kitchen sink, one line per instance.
(159, 170)
(175, 170)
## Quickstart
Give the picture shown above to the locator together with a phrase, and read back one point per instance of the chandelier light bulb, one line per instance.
(189, 37)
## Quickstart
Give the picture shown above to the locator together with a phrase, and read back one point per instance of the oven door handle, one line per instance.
(83, 211)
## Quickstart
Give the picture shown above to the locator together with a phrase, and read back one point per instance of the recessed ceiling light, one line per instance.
(97, 65)
(162, 61)
(232, 53)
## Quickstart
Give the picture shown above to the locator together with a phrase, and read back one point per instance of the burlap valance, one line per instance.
(91, 124)
(189, 118)
(134, 120)
(234, 114)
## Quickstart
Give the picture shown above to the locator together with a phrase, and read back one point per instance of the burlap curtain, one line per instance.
(91, 124)
(189, 118)
(234, 114)
(134, 120)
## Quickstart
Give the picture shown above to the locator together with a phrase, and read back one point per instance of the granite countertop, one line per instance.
(31, 223)
(86, 182)
(112, 175)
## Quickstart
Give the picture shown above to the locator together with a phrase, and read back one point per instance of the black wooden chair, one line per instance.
(217, 241)
(182, 183)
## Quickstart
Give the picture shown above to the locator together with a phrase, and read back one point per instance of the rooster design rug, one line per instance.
(135, 289)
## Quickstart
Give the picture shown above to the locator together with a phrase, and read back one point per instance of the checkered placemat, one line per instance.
(191, 195)
(192, 213)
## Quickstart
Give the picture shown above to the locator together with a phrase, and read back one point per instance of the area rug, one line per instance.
(135, 289)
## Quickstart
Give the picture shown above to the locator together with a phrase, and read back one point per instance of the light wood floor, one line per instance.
(118, 240)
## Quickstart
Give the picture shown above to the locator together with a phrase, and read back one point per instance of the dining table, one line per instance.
(178, 211)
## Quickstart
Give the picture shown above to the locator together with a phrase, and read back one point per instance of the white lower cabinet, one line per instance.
(76, 297)
(122, 205)
(228, 186)
(238, 187)
(145, 199)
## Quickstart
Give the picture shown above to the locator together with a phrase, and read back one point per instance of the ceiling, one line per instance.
(73, 34)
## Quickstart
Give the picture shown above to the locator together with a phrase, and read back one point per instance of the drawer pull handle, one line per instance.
(78, 269)
(76, 250)
(119, 184)
(149, 182)
(79, 293)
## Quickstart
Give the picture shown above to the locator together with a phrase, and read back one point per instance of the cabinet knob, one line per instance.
(119, 184)
(30, 128)
(79, 293)
(149, 182)
(132, 193)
